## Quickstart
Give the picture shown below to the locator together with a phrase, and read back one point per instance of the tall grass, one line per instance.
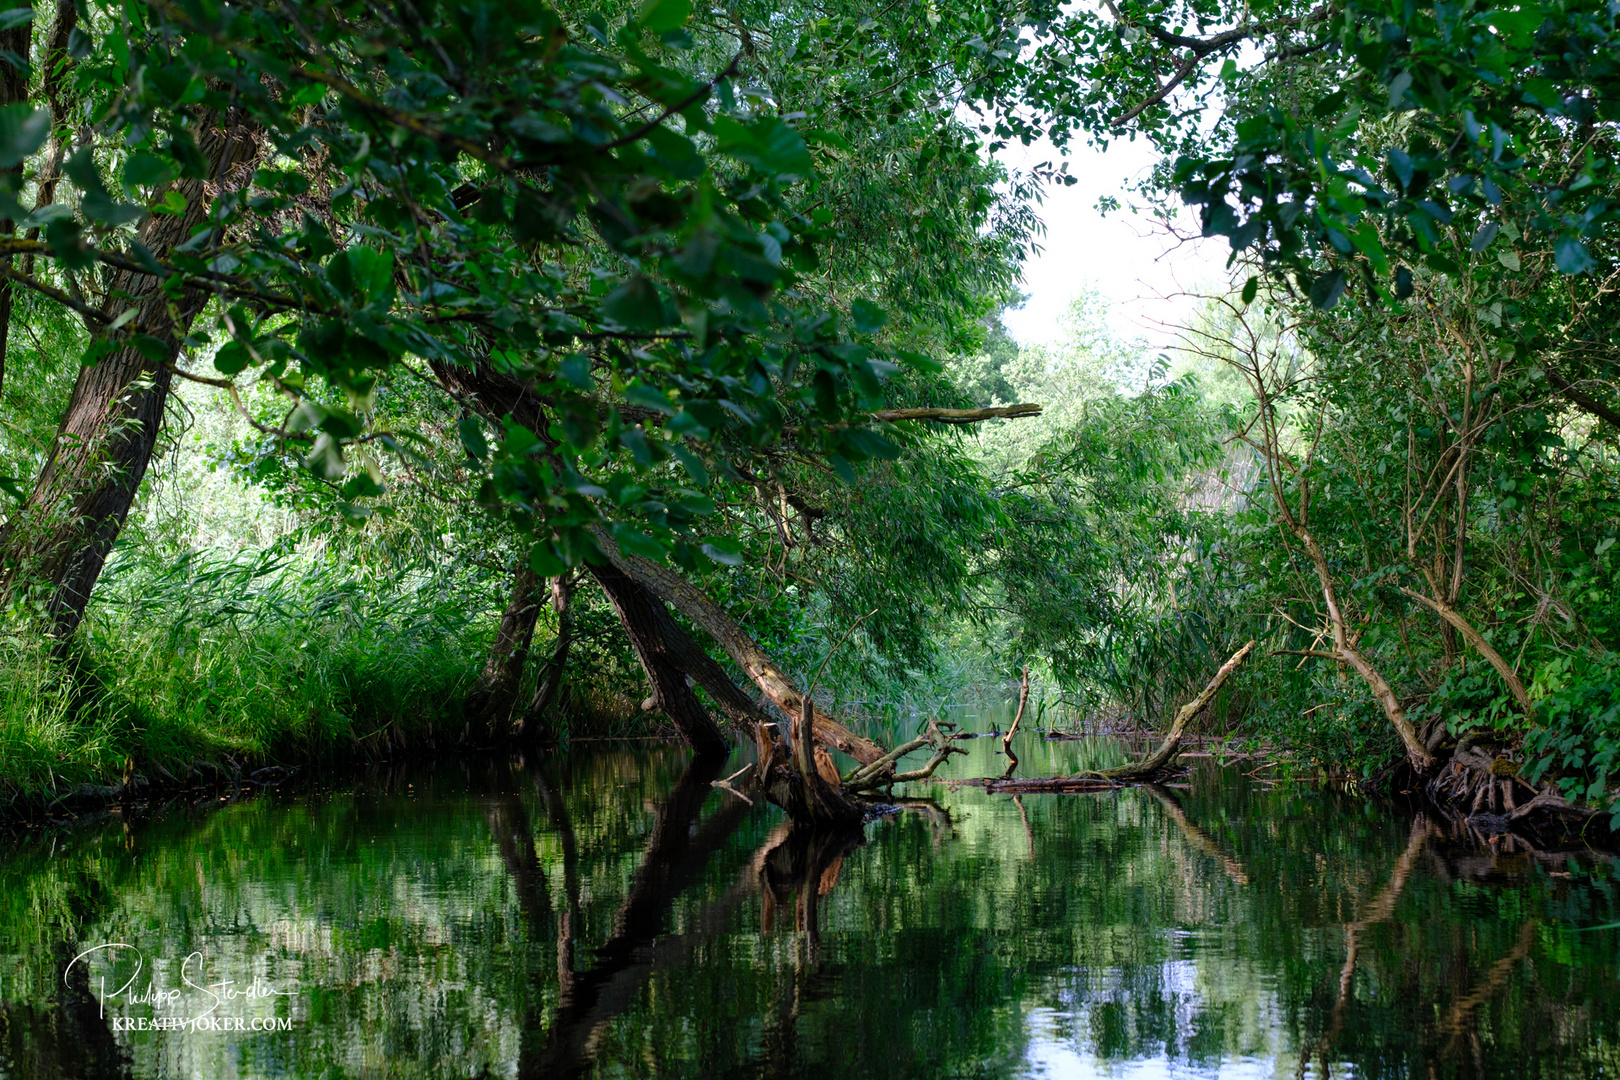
(248, 658)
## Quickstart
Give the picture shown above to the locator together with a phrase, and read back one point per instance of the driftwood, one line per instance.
(881, 772)
(1146, 769)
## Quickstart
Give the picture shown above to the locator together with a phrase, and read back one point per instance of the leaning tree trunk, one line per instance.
(640, 613)
(692, 602)
(496, 395)
(58, 540)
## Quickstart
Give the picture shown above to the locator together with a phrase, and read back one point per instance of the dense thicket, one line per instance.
(452, 371)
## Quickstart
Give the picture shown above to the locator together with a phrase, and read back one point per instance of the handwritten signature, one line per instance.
(221, 991)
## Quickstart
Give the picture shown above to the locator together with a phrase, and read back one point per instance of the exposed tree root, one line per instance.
(1485, 787)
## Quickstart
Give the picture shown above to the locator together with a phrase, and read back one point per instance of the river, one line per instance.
(607, 912)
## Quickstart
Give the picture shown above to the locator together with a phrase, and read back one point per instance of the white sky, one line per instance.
(1136, 266)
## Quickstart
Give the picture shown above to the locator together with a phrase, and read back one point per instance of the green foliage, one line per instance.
(258, 657)
(1577, 739)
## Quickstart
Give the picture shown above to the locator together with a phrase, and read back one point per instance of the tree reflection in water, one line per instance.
(611, 913)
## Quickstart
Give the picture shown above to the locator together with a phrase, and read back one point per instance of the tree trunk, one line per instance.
(690, 601)
(1452, 618)
(491, 700)
(1171, 743)
(1345, 649)
(496, 395)
(643, 617)
(58, 540)
(53, 78)
(545, 692)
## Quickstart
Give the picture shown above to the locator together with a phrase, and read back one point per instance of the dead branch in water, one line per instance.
(1166, 752)
(1006, 740)
(881, 772)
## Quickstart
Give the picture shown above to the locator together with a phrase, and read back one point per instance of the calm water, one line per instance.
(608, 913)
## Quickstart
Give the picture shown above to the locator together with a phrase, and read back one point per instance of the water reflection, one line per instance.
(611, 913)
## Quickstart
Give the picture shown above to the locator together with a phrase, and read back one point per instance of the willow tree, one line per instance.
(589, 230)
(1373, 165)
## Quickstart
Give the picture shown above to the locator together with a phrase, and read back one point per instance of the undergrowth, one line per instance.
(253, 658)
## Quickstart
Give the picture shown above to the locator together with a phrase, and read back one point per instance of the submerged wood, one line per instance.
(790, 779)
(1035, 785)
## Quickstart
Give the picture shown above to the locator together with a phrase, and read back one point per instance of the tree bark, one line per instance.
(1344, 649)
(690, 601)
(496, 395)
(545, 691)
(1172, 738)
(1483, 647)
(59, 539)
(643, 619)
(492, 698)
(1585, 402)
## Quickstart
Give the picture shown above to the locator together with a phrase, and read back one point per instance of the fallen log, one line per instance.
(1055, 784)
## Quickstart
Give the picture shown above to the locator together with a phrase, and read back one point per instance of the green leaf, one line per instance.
(1251, 289)
(23, 129)
(723, 551)
(868, 317)
(1327, 289)
(16, 17)
(232, 358)
(472, 438)
(360, 486)
(1401, 165)
(769, 145)
(1509, 259)
(152, 348)
(1571, 256)
(635, 305)
(662, 16)
(543, 560)
(148, 170)
(326, 459)
(1403, 282)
